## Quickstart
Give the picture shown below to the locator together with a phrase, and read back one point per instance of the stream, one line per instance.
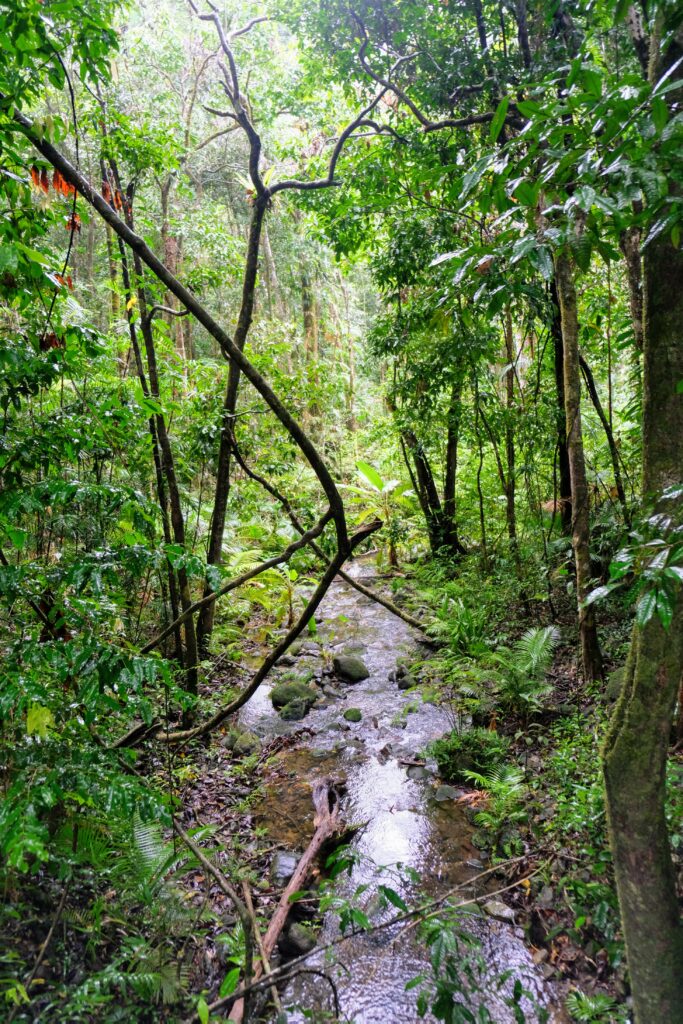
(404, 823)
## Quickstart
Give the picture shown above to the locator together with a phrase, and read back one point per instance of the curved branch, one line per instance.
(191, 303)
(239, 581)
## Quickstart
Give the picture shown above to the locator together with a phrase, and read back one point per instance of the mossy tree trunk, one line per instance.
(635, 752)
(566, 292)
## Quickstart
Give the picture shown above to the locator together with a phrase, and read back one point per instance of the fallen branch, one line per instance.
(326, 803)
(288, 970)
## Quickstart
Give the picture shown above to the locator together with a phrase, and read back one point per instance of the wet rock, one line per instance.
(230, 739)
(287, 659)
(417, 772)
(548, 971)
(353, 714)
(282, 867)
(285, 693)
(332, 693)
(546, 897)
(295, 710)
(296, 940)
(247, 743)
(540, 956)
(350, 668)
(500, 910)
(444, 793)
(392, 676)
(406, 681)
(310, 647)
(401, 670)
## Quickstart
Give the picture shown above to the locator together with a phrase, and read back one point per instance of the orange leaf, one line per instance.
(44, 181)
(118, 200)
(35, 176)
(106, 191)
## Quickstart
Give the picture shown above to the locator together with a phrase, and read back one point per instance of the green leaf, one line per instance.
(8, 259)
(646, 607)
(592, 82)
(660, 113)
(499, 118)
(665, 608)
(393, 897)
(370, 474)
(230, 982)
(203, 1010)
(39, 720)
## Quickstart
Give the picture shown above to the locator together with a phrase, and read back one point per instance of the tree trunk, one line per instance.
(451, 537)
(635, 752)
(220, 505)
(564, 499)
(590, 649)
(614, 452)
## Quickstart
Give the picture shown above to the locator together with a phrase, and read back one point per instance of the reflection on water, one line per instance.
(402, 825)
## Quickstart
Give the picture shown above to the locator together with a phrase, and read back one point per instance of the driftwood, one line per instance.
(326, 822)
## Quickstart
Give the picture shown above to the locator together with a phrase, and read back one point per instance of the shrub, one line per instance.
(475, 750)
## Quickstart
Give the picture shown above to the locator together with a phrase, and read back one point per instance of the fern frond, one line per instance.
(533, 652)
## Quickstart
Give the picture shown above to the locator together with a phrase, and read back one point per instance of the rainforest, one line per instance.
(341, 511)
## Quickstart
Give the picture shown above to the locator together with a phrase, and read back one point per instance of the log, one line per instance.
(326, 822)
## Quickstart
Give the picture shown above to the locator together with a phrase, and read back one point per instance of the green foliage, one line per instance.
(473, 750)
(594, 1009)
(505, 798)
(519, 686)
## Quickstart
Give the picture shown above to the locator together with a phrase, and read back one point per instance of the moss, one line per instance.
(285, 693)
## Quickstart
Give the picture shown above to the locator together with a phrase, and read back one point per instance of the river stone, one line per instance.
(287, 659)
(406, 682)
(282, 867)
(295, 710)
(350, 668)
(247, 743)
(500, 910)
(417, 772)
(296, 940)
(284, 693)
(447, 793)
(353, 714)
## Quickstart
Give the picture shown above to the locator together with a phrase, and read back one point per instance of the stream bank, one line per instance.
(407, 819)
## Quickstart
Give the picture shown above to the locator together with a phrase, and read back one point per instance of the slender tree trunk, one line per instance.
(564, 498)
(451, 537)
(614, 452)
(566, 290)
(636, 746)
(510, 481)
(220, 505)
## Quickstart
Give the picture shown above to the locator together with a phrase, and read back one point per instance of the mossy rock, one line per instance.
(353, 714)
(286, 692)
(295, 710)
(350, 668)
(247, 743)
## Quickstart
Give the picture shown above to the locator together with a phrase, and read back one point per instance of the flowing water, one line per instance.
(403, 822)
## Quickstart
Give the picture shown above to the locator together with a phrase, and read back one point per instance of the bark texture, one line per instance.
(591, 658)
(635, 752)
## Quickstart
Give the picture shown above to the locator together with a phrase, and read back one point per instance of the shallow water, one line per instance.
(402, 822)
